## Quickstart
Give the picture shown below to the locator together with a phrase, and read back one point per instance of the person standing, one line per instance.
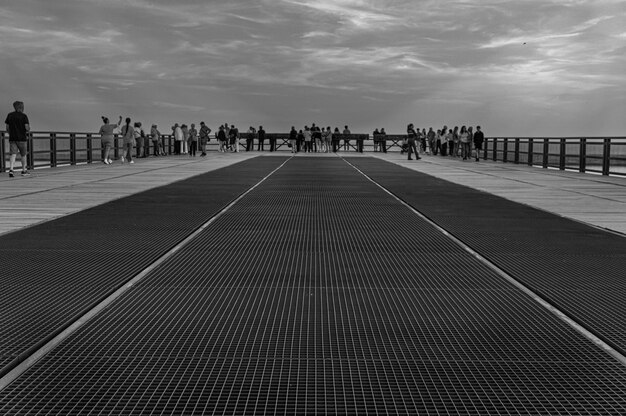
(261, 139)
(383, 140)
(308, 140)
(411, 138)
(464, 141)
(155, 136)
(250, 139)
(18, 126)
(139, 139)
(293, 138)
(437, 146)
(204, 137)
(454, 152)
(346, 140)
(193, 140)
(178, 139)
(185, 143)
(431, 140)
(233, 135)
(335, 139)
(221, 138)
(479, 137)
(106, 134)
(128, 140)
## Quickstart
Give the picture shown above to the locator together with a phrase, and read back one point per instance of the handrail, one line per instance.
(603, 155)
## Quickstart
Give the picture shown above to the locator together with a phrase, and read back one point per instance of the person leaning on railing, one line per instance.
(106, 133)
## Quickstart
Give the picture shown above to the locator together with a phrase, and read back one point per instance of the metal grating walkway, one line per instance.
(319, 293)
(54, 271)
(578, 268)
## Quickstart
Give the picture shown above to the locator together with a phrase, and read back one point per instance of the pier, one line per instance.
(258, 283)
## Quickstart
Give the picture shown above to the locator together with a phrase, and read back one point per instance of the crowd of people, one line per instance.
(444, 142)
(189, 140)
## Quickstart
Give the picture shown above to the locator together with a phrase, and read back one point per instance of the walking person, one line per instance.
(411, 138)
(204, 137)
(106, 137)
(128, 140)
(261, 139)
(18, 126)
(299, 141)
(155, 136)
(479, 137)
(193, 140)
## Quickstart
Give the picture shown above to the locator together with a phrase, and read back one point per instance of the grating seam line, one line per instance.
(447, 383)
(37, 351)
(584, 331)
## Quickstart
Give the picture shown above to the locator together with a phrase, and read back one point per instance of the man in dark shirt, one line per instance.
(261, 138)
(17, 125)
(479, 137)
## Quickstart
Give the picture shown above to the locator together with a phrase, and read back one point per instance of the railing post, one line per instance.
(531, 151)
(505, 150)
(546, 148)
(30, 158)
(72, 148)
(582, 151)
(562, 154)
(516, 150)
(606, 157)
(3, 162)
(53, 150)
(485, 148)
(89, 149)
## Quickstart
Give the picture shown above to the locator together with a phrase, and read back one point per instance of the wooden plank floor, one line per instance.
(50, 193)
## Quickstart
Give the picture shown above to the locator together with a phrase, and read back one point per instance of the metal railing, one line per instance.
(603, 155)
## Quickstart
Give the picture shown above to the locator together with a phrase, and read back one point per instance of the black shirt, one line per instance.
(17, 126)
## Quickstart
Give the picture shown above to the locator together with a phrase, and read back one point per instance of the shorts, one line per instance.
(20, 147)
(478, 145)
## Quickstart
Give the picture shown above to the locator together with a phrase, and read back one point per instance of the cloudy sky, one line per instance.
(517, 67)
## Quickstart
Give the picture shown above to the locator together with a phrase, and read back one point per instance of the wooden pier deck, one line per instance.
(51, 193)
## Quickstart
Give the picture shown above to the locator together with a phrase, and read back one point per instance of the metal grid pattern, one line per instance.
(578, 268)
(304, 299)
(55, 271)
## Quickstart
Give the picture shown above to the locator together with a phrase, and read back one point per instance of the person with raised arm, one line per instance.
(107, 131)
